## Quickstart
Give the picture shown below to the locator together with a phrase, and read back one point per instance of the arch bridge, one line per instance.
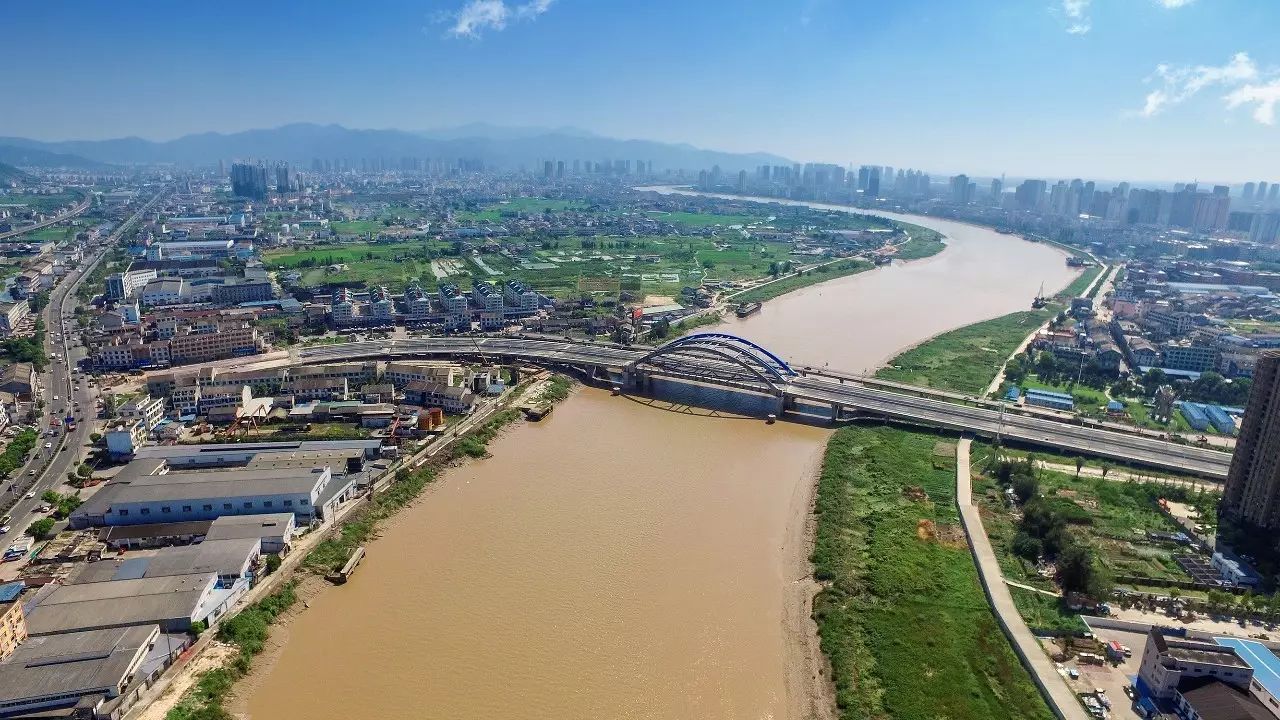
(718, 358)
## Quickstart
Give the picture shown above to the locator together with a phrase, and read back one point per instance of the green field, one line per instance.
(700, 220)
(1110, 515)
(964, 360)
(41, 203)
(1081, 283)
(556, 268)
(509, 208)
(902, 617)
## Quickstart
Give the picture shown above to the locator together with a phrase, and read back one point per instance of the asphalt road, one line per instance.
(84, 205)
(52, 464)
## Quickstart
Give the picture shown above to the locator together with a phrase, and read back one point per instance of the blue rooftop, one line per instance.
(1265, 664)
(10, 591)
(1049, 393)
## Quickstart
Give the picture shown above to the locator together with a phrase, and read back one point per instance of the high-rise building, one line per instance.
(1252, 492)
(284, 178)
(1262, 189)
(873, 183)
(559, 168)
(1274, 194)
(548, 169)
(1029, 195)
(249, 181)
(1247, 193)
(960, 189)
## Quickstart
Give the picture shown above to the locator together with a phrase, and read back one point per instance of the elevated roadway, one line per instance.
(837, 396)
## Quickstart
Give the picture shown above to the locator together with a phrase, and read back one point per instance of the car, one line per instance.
(44, 508)
(4, 529)
(31, 494)
(32, 472)
(48, 446)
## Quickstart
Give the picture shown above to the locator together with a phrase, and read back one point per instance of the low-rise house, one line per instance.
(455, 400)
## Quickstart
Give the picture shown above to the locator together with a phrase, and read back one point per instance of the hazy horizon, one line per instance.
(1143, 90)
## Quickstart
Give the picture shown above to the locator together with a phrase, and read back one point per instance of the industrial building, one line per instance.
(145, 492)
(173, 602)
(73, 670)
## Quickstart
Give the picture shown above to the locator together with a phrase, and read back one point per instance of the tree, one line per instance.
(1027, 547)
(1079, 465)
(198, 627)
(1106, 468)
(40, 528)
(1025, 486)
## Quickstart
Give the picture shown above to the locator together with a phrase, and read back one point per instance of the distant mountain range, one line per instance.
(300, 143)
(37, 156)
(9, 173)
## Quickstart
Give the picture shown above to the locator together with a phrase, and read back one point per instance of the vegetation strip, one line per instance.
(965, 360)
(902, 617)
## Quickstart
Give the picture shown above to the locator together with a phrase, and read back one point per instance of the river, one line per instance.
(624, 559)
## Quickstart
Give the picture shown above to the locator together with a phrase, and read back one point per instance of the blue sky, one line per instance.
(1025, 87)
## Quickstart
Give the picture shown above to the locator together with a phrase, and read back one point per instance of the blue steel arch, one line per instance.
(762, 364)
(786, 369)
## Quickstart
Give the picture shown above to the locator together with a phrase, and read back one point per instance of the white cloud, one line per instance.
(1263, 97)
(1173, 4)
(1181, 83)
(1077, 14)
(479, 16)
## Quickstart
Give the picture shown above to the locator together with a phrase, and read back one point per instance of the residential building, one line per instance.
(455, 400)
(343, 310)
(382, 310)
(19, 381)
(457, 313)
(1252, 490)
(11, 316)
(1183, 355)
(234, 291)
(417, 305)
(441, 372)
(13, 623)
(150, 410)
(121, 286)
(125, 437)
(519, 300)
(230, 340)
(307, 389)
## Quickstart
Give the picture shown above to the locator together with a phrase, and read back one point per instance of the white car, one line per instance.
(48, 446)
(31, 494)
(4, 529)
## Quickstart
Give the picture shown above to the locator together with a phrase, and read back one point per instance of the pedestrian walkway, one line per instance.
(1052, 686)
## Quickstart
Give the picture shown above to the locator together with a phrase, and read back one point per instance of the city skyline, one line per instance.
(1063, 89)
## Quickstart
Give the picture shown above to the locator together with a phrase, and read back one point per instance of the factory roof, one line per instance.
(222, 557)
(77, 663)
(230, 527)
(119, 603)
(215, 483)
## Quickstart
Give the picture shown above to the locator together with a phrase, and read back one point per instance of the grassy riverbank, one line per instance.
(964, 360)
(903, 619)
(803, 279)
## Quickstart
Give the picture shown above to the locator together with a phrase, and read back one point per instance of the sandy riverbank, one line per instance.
(811, 695)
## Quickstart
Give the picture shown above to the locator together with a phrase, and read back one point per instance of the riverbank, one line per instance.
(901, 616)
(250, 631)
(964, 360)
